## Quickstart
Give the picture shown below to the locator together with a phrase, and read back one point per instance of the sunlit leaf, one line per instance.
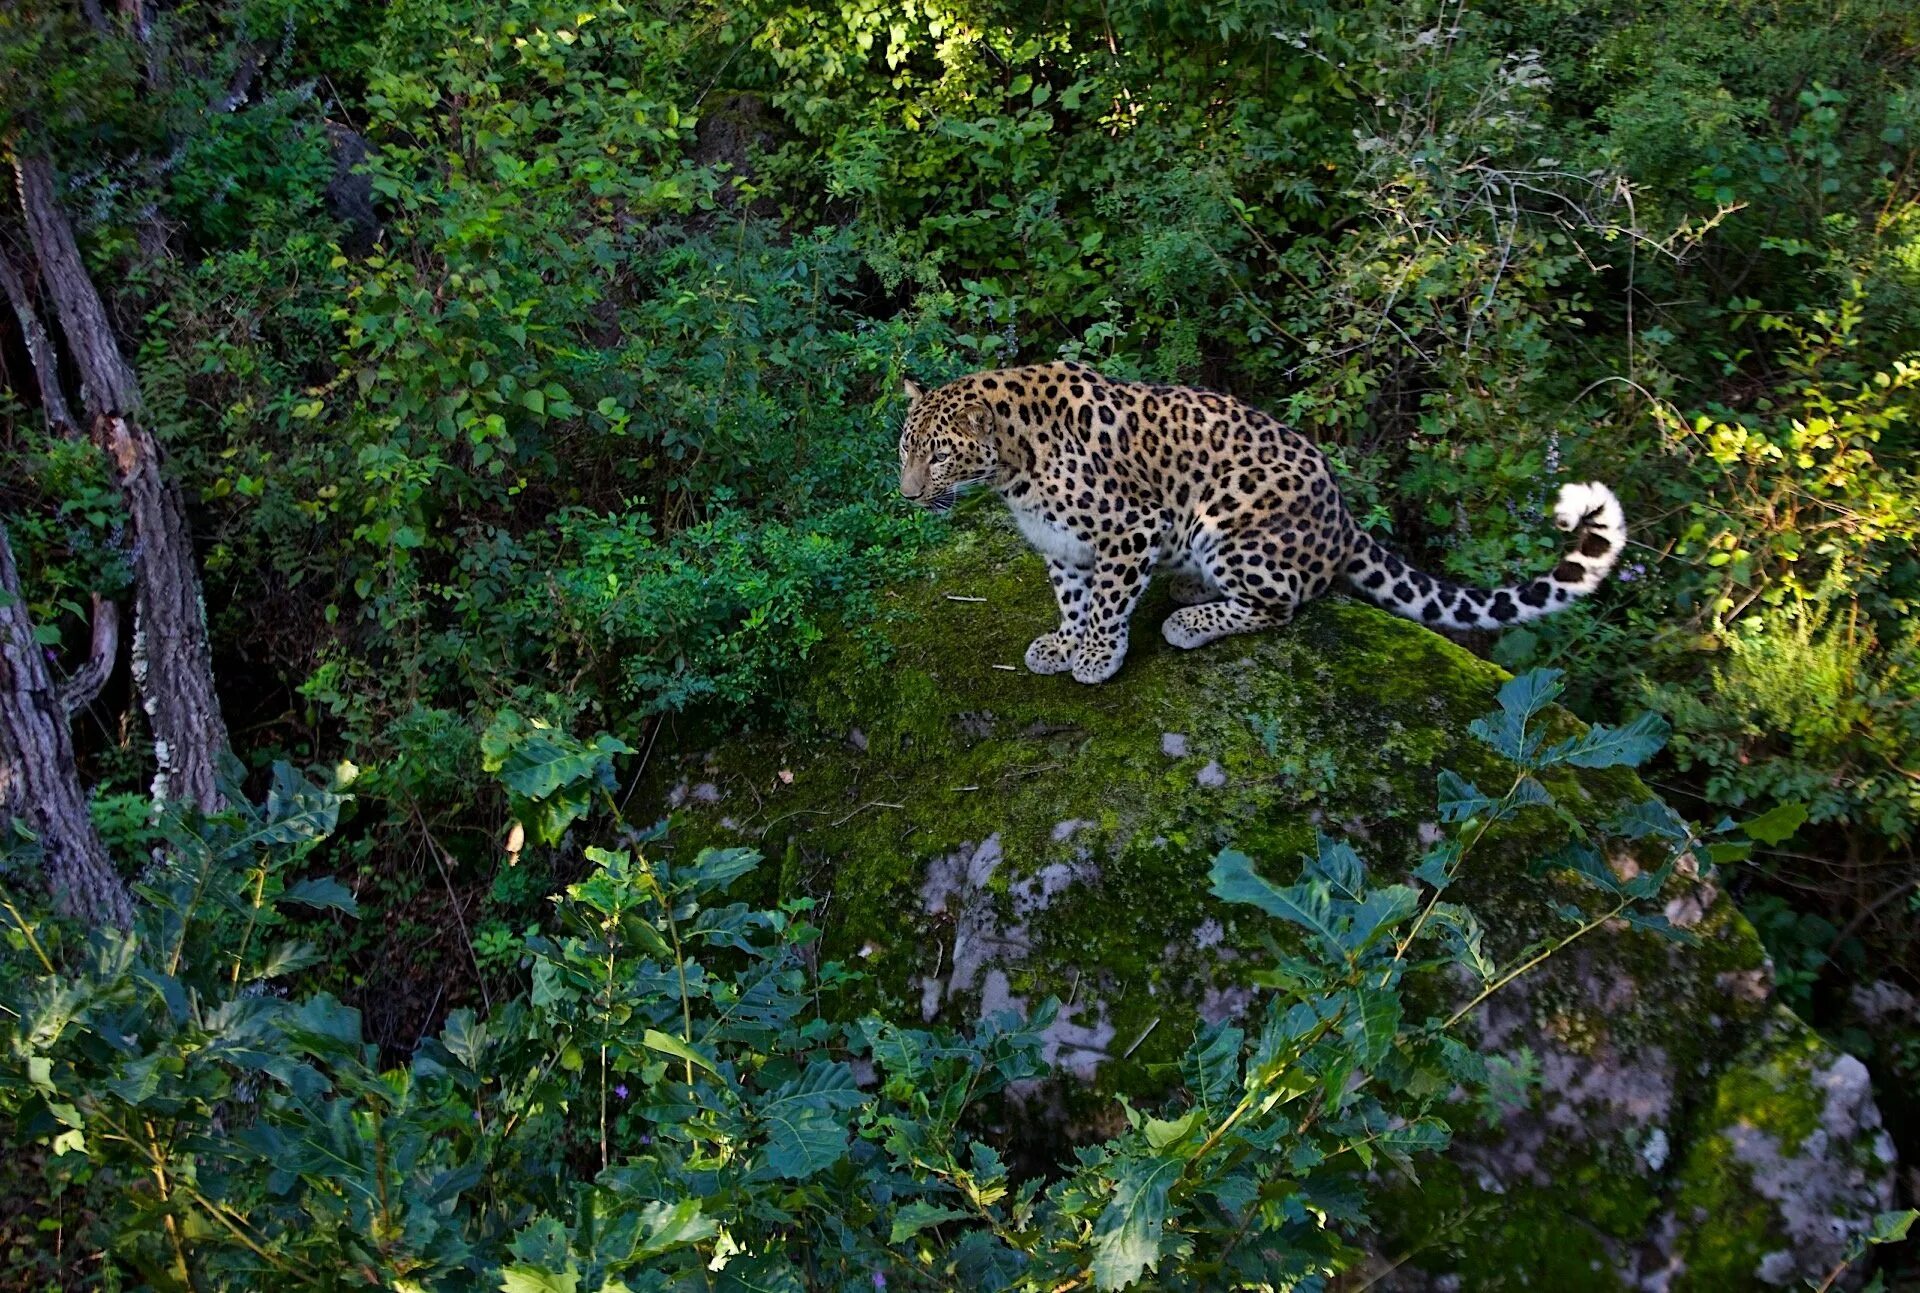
(1777, 824)
(1128, 1233)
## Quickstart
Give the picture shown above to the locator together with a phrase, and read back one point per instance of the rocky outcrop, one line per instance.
(980, 838)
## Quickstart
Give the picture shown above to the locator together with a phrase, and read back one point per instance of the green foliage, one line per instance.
(551, 777)
(585, 413)
(673, 1098)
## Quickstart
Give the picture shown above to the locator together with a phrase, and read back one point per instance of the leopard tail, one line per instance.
(1590, 512)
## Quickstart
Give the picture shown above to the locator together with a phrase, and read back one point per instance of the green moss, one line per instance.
(1768, 1088)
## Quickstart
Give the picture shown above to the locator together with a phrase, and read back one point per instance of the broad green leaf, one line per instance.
(1234, 880)
(140, 1078)
(1128, 1233)
(716, 868)
(666, 1044)
(1629, 745)
(522, 1278)
(1381, 910)
(1649, 818)
(1528, 793)
(1891, 1227)
(1521, 699)
(1371, 1029)
(803, 1137)
(1335, 862)
(1525, 695)
(286, 957)
(1726, 852)
(671, 1226)
(1777, 824)
(324, 893)
(806, 1120)
(1460, 799)
(1465, 938)
(1654, 922)
(1211, 1070)
(464, 1037)
(1161, 1132)
(325, 1024)
(984, 1264)
(1436, 868)
(296, 812)
(542, 1242)
(917, 1216)
(546, 762)
(1581, 857)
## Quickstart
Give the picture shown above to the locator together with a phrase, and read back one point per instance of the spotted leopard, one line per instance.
(1110, 480)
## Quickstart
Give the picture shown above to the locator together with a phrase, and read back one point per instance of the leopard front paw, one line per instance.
(1051, 653)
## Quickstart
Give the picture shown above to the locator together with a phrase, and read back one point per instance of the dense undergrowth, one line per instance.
(679, 1099)
(541, 358)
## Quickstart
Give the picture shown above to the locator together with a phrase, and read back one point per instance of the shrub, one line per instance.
(675, 1094)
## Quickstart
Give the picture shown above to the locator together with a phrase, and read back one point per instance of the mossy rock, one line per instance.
(980, 838)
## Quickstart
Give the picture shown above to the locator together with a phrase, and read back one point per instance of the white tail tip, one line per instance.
(1593, 503)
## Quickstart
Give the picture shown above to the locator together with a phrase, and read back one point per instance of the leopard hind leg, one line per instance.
(1191, 589)
(1250, 590)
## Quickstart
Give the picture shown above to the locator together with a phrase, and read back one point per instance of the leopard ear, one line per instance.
(910, 388)
(978, 420)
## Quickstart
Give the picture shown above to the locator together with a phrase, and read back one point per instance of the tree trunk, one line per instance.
(46, 364)
(38, 779)
(172, 660)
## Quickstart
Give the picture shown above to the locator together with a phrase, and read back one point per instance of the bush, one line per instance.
(675, 1093)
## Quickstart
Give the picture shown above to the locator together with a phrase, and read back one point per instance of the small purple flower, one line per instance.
(879, 1279)
(646, 1140)
(1628, 574)
(621, 1090)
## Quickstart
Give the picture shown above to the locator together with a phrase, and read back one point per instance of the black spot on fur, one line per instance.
(1595, 545)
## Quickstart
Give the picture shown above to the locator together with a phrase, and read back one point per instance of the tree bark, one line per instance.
(107, 384)
(87, 681)
(172, 659)
(38, 778)
(46, 364)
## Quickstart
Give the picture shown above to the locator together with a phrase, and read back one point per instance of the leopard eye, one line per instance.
(942, 456)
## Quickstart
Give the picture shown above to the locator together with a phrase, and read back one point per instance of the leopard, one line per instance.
(1113, 481)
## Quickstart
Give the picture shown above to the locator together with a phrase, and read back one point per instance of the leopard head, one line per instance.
(946, 445)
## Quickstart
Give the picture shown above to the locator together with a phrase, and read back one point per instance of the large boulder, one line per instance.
(982, 838)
